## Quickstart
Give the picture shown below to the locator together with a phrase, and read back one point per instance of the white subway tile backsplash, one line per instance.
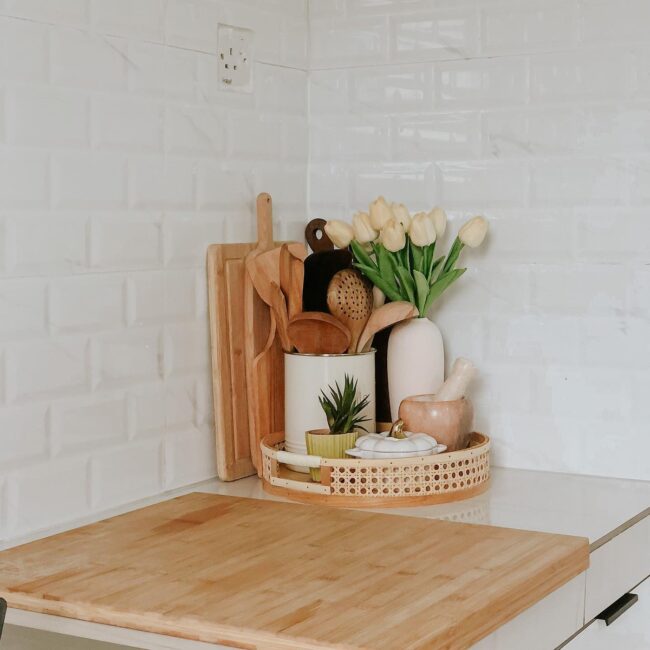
(24, 178)
(223, 189)
(391, 89)
(443, 34)
(47, 494)
(187, 238)
(515, 27)
(141, 19)
(579, 181)
(437, 135)
(89, 423)
(24, 50)
(125, 357)
(189, 457)
(532, 339)
(47, 117)
(351, 41)
(613, 235)
(86, 302)
(195, 130)
(121, 159)
(140, 461)
(162, 182)
(132, 241)
(478, 83)
(147, 404)
(606, 21)
(414, 184)
(40, 246)
(49, 366)
(590, 74)
(88, 60)
(350, 138)
(66, 12)
(22, 308)
(24, 434)
(88, 180)
(186, 348)
(130, 124)
(528, 133)
(192, 24)
(481, 185)
(597, 290)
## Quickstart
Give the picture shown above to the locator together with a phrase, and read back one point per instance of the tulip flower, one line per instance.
(380, 213)
(393, 236)
(422, 231)
(363, 230)
(473, 232)
(439, 218)
(401, 214)
(339, 232)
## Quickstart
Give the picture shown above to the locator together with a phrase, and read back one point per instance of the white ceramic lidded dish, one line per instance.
(305, 376)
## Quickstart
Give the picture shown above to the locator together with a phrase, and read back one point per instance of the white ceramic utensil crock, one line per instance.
(305, 376)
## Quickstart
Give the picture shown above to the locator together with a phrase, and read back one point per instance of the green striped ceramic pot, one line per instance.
(320, 442)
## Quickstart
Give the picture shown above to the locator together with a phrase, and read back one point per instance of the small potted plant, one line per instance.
(344, 420)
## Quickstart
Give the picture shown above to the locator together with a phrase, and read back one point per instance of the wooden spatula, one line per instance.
(292, 274)
(384, 317)
(321, 266)
(262, 349)
(349, 298)
(313, 332)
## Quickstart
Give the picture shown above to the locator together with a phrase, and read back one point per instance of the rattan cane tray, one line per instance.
(398, 482)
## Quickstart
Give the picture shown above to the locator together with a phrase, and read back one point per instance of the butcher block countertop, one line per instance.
(269, 575)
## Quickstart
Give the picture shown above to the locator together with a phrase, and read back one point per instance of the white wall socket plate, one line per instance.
(235, 54)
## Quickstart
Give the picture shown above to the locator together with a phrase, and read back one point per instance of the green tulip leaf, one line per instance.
(440, 285)
(373, 275)
(407, 284)
(361, 255)
(422, 290)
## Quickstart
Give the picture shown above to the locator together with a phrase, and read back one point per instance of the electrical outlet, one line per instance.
(235, 53)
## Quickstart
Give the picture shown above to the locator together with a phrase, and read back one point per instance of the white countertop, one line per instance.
(569, 504)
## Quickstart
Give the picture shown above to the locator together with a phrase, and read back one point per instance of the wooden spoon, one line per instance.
(384, 317)
(314, 332)
(349, 298)
(292, 274)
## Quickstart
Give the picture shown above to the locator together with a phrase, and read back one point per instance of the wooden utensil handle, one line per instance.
(317, 237)
(265, 220)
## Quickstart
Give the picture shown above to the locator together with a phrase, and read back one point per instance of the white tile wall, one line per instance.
(120, 161)
(536, 114)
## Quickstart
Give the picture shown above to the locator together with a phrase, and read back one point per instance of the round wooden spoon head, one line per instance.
(384, 317)
(349, 298)
(313, 332)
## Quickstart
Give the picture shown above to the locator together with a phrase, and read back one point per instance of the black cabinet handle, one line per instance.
(3, 611)
(611, 613)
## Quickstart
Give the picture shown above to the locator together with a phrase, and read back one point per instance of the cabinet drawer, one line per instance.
(616, 567)
(631, 631)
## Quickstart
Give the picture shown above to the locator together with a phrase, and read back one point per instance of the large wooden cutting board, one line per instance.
(226, 272)
(266, 575)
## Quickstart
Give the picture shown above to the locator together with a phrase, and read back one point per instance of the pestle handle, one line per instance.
(462, 373)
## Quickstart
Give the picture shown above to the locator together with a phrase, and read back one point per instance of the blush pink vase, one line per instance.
(416, 361)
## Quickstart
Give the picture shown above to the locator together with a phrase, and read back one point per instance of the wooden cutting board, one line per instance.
(226, 272)
(245, 353)
(267, 575)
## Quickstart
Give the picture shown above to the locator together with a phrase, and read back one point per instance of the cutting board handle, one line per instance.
(265, 221)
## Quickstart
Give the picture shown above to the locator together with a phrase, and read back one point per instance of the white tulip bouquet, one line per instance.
(396, 251)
